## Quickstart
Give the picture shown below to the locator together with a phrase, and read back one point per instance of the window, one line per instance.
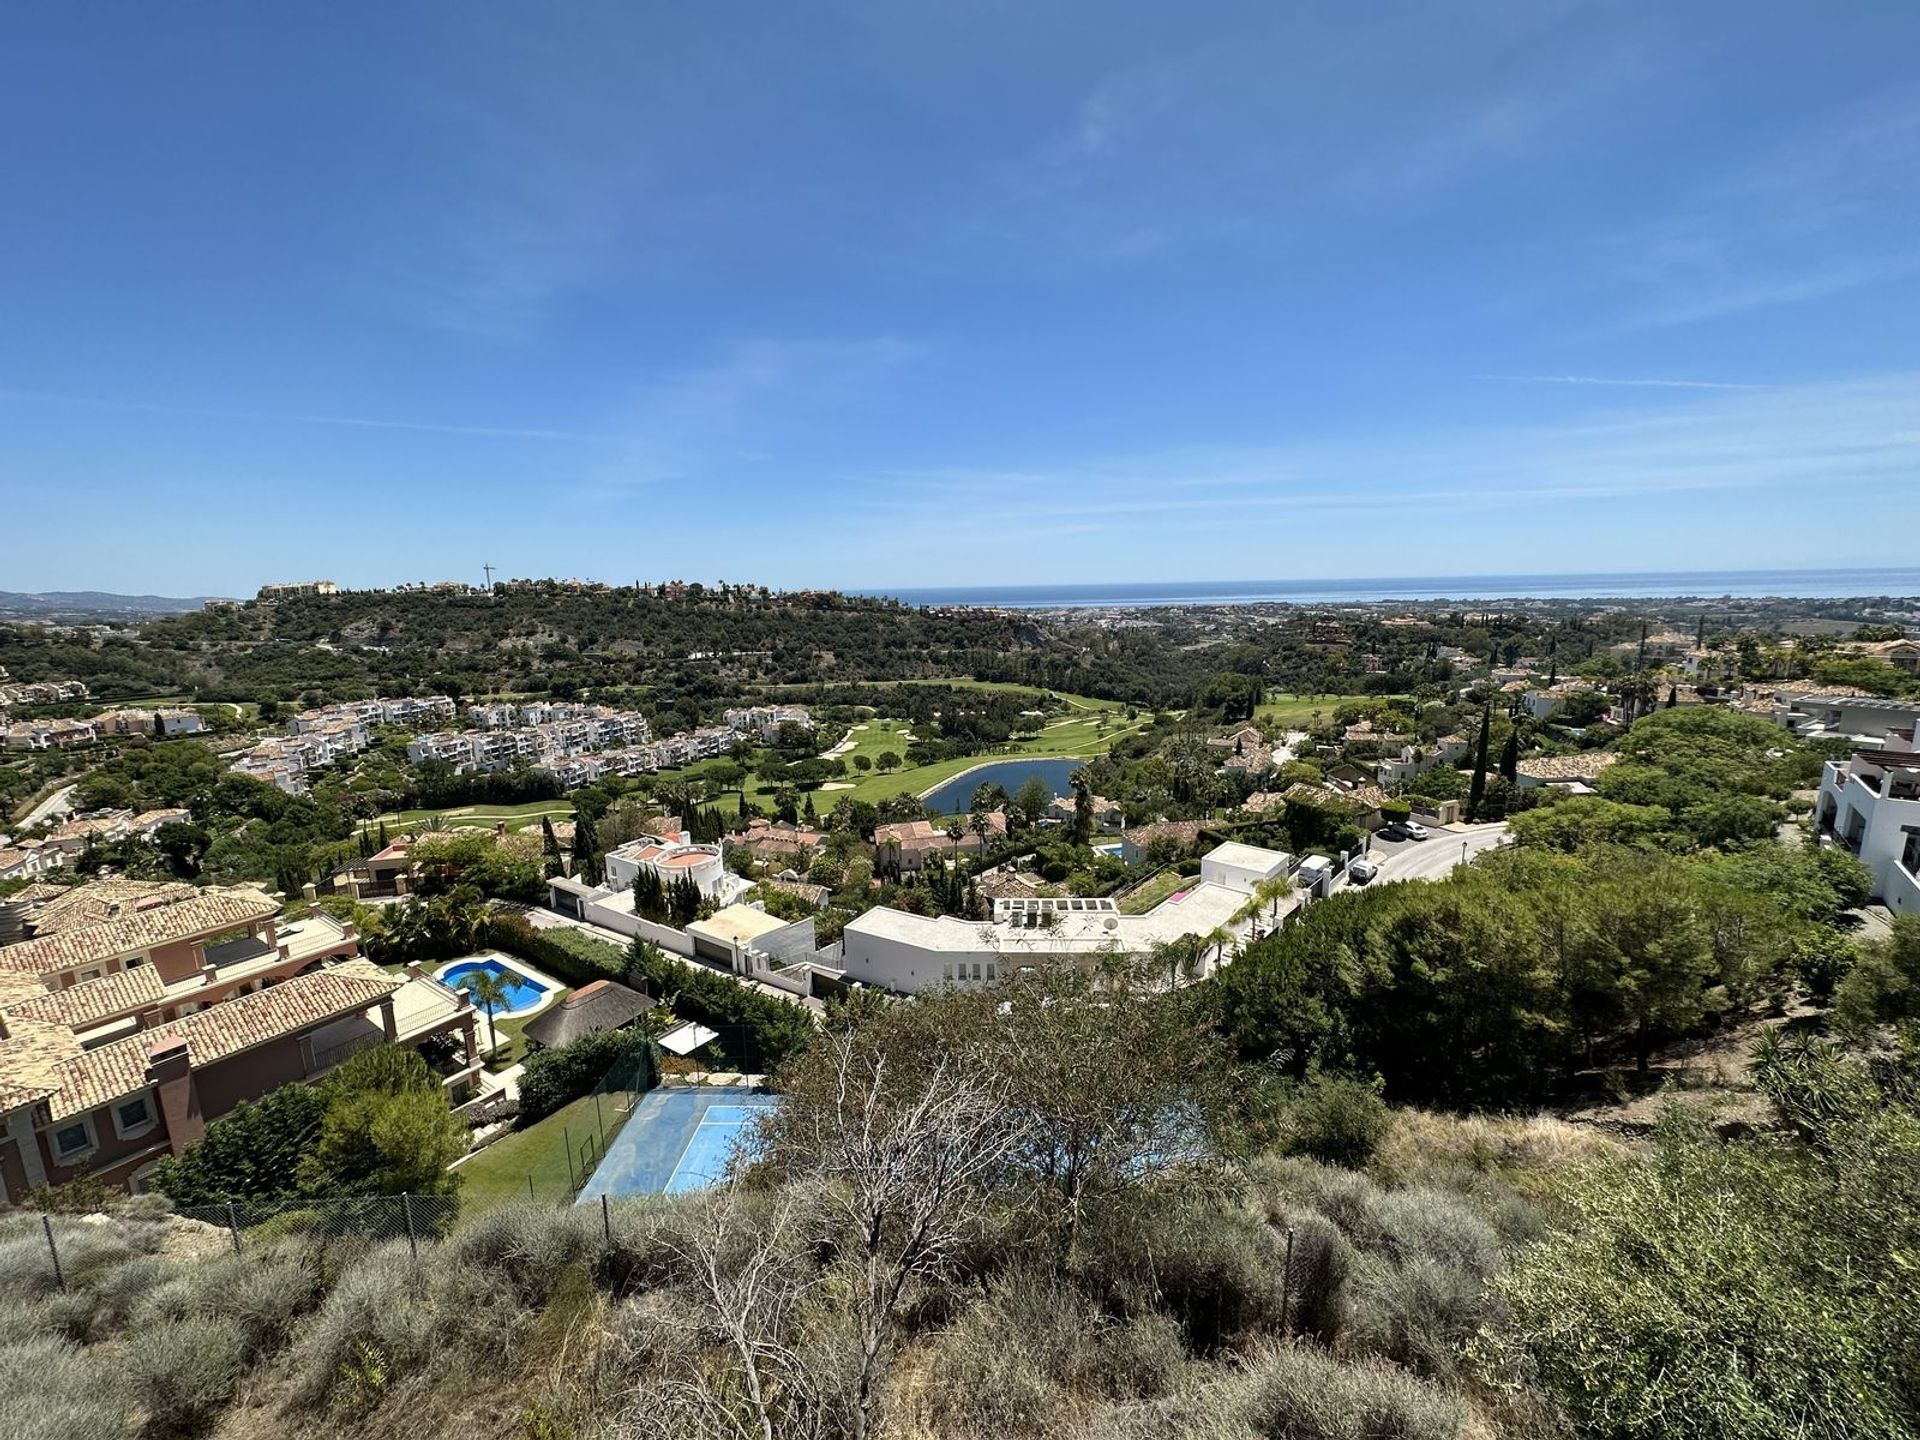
(1910, 853)
(946, 971)
(990, 968)
(72, 1141)
(133, 1117)
(92, 973)
(976, 969)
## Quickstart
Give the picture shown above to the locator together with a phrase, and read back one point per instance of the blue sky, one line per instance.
(932, 294)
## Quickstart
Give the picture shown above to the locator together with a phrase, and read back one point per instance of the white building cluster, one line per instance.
(318, 738)
(560, 735)
(43, 692)
(766, 720)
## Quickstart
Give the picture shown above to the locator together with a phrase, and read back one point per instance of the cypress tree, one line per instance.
(586, 847)
(1479, 789)
(550, 848)
(1510, 756)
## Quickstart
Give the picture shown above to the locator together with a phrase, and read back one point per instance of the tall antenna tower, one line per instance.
(489, 570)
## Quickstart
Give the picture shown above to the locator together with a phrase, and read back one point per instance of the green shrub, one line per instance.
(1337, 1121)
(183, 1371)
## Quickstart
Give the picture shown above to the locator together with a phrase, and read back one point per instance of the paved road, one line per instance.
(1436, 856)
(58, 803)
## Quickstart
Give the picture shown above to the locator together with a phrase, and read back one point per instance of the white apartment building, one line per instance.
(1870, 802)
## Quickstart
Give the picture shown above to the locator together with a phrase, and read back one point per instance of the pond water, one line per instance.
(955, 797)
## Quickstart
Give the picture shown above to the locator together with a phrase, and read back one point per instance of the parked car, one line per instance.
(1414, 831)
(1362, 870)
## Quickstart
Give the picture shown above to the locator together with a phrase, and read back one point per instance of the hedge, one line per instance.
(554, 1077)
(566, 954)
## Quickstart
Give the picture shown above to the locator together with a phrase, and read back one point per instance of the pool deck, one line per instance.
(677, 1139)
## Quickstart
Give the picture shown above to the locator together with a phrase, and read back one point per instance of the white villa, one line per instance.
(916, 953)
(1870, 802)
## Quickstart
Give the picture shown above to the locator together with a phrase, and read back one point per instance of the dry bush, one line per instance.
(263, 1293)
(1306, 1394)
(183, 1371)
(1211, 1262)
(51, 1391)
(1299, 1393)
(1424, 1147)
(531, 1247)
(648, 1236)
(389, 1316)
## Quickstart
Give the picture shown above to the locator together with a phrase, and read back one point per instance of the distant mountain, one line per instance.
(93, 605)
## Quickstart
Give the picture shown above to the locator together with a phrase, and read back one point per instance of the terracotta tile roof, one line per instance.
(31, 1060)
(1325, 797)
(1583, 766)
(1186, 832)
(96, 1077)
(65, 907)
(91, 1001)
(208, 913)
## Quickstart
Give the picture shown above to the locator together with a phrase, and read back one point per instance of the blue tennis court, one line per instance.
(678, 1139)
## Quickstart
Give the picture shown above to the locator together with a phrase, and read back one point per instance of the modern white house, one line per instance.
(1870, 802)
(1864, 719)
(1242, 868)
(912, 954)
(671, 860)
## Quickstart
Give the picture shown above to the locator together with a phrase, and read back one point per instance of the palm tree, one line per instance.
(488, 989)
(1267, 895)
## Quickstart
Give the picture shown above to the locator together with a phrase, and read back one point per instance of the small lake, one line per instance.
(955, 797)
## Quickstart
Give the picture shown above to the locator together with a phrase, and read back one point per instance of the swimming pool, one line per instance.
(679, 1138)
(526, 990)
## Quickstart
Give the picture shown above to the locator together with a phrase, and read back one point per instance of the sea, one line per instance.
(1646, 585)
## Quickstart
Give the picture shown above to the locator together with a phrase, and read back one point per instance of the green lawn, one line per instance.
(1295, 712)
(498, 1175)
(475, 817)
(1154, 891)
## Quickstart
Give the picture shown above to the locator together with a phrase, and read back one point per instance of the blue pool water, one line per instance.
(956, 796)
(679, 1138)
(523, 992)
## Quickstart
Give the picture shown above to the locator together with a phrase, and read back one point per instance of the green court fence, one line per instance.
(613, 1102)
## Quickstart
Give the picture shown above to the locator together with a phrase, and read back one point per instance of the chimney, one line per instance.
(170, 1072)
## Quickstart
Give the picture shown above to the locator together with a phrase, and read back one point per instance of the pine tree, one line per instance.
(1478, 791)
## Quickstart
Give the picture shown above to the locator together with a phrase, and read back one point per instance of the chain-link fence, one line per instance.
(413, 1218)
(612, 1102)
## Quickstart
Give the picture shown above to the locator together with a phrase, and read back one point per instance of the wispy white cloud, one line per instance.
(1800, 221)
(357, 422)
(1862, 434)
(1626, 382)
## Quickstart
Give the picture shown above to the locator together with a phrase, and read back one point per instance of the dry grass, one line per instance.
(1425, 1147)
